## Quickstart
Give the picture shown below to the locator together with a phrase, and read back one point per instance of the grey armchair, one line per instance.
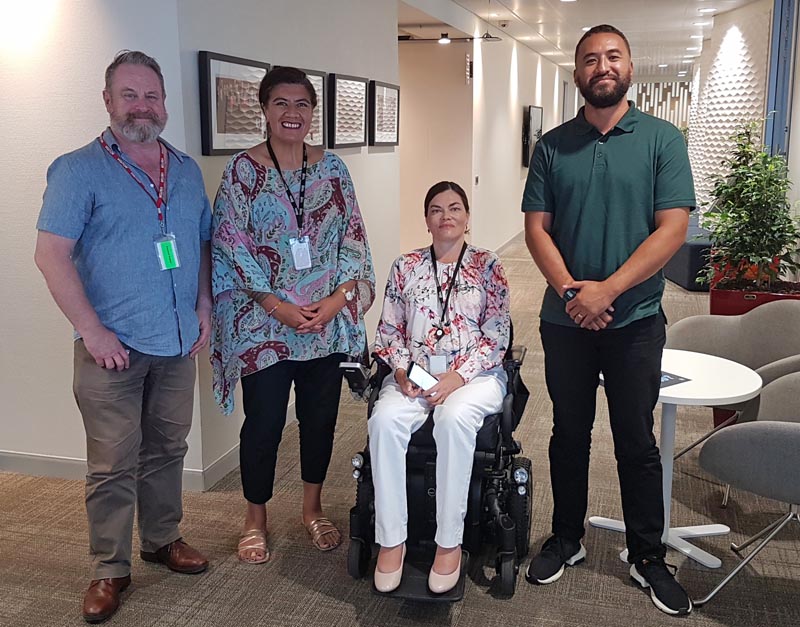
(761, 457)
(766, 339)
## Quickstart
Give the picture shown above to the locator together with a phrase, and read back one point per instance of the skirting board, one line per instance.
(194, 480)
(70, 468)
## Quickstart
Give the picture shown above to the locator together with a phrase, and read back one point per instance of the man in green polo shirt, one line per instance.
(606, 205)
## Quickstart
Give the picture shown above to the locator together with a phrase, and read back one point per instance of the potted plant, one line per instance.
(753, 234)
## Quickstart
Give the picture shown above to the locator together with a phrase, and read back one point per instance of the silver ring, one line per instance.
(433, 393)
(578, 316)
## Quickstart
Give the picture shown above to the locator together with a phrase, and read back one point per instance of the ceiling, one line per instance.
(661, 32)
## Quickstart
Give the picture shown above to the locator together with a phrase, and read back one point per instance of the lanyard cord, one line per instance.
(444, 319)
(298, 208)
(158, 201)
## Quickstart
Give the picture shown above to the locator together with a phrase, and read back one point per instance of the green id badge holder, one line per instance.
(167, 252)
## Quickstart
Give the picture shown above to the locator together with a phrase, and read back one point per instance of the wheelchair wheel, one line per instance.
(358, 555)
(507, 572)
(520, 507)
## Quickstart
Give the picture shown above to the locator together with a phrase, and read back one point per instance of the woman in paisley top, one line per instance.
(292, 278)
(446, 309)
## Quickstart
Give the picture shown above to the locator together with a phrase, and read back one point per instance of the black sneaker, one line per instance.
(666, 593)
(556, 554)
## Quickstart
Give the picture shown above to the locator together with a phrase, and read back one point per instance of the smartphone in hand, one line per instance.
(421, 377)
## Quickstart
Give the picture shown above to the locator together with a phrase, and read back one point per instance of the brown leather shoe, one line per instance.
(178, 556)
(102, 598)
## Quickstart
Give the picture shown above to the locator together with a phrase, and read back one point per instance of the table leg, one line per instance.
(667, 448)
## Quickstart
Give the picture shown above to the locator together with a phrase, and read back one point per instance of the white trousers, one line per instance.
(456, 423)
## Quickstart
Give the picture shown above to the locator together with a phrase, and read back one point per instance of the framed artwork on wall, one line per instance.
(384, 114)
(230, 115)
(319, 123)
(347, 111)
(531, 132)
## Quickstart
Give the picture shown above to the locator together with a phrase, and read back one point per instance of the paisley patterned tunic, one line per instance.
(253, 222)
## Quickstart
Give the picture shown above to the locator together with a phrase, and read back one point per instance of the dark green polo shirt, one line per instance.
(603, 192)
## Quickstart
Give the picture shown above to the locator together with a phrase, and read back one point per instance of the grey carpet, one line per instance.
(43, 538)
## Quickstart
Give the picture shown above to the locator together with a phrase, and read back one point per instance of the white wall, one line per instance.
(51, 104)
(435, 129)
(730, 86)
(507, 76)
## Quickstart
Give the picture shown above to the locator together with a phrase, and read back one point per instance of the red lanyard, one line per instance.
(162, 177)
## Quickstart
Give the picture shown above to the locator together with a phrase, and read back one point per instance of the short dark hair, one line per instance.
(285, 75)
(602, 28)
(133, 57)
(443, 186)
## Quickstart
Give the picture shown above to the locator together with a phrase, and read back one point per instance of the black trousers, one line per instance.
(318, 387)
(630, 360)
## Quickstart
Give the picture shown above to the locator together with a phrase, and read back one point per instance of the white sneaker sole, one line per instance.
(572, 561)
(656, 601)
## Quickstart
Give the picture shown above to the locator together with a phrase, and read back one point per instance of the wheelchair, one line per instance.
(500, 491)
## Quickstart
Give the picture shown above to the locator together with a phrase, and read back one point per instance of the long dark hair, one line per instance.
(443, 186)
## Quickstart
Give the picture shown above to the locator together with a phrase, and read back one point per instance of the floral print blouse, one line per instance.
(253, 221)
(478, 335)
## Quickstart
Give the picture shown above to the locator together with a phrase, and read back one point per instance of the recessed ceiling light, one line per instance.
(701, 23)
(586, 28)
(695, 49)
(695, 36)
(494, 15)
(706, 10)
(663, 65)
(569, 0)
(687, 61)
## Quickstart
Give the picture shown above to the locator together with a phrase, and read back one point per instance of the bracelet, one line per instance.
(272, 311)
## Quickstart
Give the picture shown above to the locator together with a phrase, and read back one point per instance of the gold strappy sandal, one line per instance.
(253, 540)
(320, 528)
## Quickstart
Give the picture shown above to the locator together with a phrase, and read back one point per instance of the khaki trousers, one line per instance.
(136, 425)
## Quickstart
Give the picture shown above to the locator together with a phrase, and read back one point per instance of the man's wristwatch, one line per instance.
(349, 295)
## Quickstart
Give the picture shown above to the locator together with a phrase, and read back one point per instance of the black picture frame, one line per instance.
(318, 134)
(347, 111)
(230, 115)
(384, 114)
(531, 131)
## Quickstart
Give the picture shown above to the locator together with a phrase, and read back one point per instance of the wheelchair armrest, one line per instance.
(376, 380)
(516, 355)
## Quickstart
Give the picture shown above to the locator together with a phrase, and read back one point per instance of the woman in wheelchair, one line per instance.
(446, 309)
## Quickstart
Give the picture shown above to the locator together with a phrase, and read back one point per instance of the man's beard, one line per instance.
(606, 98)
(134, 129)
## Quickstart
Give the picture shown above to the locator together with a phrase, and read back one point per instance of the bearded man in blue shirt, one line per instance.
(123, 244)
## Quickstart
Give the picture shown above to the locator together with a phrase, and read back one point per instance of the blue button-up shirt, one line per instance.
(90, 198)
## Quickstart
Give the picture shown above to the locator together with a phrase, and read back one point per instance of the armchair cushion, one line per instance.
(761, 457)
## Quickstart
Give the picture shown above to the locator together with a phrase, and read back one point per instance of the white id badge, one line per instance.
(167, 251)
(437, 364)
(301, 254)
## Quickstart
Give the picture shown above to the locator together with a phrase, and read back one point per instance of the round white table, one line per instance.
(712, 381)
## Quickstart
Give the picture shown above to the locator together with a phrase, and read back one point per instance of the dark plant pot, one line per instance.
(735, 302)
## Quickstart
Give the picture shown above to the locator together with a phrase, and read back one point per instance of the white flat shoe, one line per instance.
(388, 582)
(439, 584)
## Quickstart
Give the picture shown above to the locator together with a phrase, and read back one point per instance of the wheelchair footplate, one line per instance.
(414, 585)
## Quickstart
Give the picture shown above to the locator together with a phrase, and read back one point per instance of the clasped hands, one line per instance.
(449, 382)
(310, 318)
(592, 307)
